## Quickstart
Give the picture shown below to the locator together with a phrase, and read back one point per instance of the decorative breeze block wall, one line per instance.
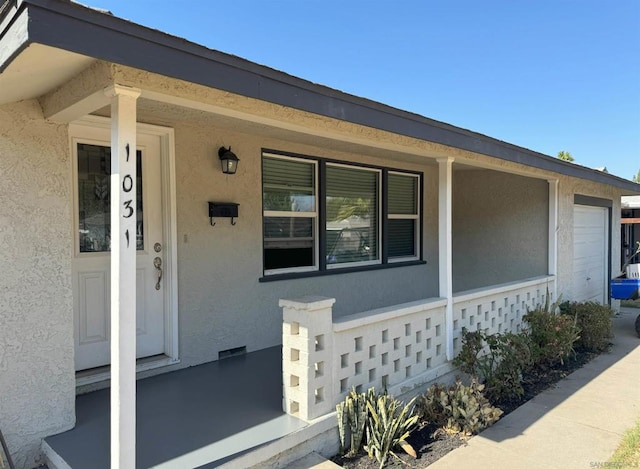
(386, 347)
(323, 360)
(499, 309)
(394, 347)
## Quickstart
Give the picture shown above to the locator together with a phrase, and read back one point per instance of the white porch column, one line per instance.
(553, 235)
(445, 245)
(123, 276)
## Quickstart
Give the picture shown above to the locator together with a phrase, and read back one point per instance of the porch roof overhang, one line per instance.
(45, 43)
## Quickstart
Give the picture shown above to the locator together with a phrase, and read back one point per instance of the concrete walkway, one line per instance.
(577, 424)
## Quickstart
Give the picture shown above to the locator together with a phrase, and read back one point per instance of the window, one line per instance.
(320, 215)
(402, 216)
(352, 230)
(290, 214)
(94, 202)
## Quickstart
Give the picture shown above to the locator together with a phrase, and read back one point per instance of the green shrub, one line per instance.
(498, 359)
(459, 408)
(552, 336)
(388, 426)
(595, 322)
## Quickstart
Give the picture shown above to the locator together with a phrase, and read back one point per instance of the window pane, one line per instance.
(288, 185)
(287, 227)
(94, 201)
(352, 215)
(402, 238)
(288, 242)
(403, 192)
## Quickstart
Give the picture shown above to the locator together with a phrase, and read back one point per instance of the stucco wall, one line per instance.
(37, 382)
(568, 188)
(500, 228)
(222, 304)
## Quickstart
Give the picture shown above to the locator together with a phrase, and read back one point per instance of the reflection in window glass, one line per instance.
(289, 242)
(352, 215)
(289, 202)
(402, 235)
(94, 201)
(288, 185)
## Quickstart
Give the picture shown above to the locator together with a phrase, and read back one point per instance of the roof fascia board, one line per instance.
(116, 40)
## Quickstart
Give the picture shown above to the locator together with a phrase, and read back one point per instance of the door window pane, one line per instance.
(94, 201)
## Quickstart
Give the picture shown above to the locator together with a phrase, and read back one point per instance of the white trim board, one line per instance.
(169, 214)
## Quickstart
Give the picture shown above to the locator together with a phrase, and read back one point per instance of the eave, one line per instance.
(88, 33)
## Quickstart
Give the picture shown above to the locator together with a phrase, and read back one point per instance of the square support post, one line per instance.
(123, 275)
(307, 356)
(552, 268)
(445, 245)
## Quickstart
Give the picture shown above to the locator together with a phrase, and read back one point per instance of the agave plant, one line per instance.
(388, 427)
(352, 419)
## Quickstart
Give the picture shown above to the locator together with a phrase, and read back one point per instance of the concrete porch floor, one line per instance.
(196, 417)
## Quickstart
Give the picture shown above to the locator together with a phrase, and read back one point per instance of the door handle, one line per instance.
(157, 263)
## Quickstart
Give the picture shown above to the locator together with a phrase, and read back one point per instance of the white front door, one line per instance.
(590, 246)
(91, 260)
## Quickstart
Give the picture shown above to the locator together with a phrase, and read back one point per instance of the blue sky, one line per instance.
(548, 75)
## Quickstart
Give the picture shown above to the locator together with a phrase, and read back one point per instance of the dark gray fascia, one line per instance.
(82, 30)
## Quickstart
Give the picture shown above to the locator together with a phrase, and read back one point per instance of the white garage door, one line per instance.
(590, 245)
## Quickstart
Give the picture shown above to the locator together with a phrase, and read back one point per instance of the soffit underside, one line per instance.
(38, 70)
(170, 115)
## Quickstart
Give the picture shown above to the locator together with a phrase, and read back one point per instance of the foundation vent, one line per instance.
(232, 352)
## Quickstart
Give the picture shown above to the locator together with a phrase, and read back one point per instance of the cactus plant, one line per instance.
(458, 409)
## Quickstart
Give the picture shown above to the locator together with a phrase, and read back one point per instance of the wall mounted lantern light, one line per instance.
(229, 160)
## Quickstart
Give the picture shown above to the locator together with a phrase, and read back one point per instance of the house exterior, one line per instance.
(377, 211)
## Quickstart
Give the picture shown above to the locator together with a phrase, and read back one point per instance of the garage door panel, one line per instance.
(590, 244)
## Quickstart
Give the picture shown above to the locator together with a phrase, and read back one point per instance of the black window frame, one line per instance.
(321, 239)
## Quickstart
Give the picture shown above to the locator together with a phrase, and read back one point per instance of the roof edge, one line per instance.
(87, 31)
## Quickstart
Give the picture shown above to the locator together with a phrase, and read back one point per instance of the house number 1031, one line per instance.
(127, 186)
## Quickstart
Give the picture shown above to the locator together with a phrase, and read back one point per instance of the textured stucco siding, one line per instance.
(37, 382)
(568, 188)
(500, 228)
(222, 304)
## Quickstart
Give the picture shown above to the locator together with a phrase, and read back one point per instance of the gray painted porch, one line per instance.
(195, 417)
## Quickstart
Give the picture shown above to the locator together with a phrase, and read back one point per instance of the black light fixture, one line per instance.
(229, 160)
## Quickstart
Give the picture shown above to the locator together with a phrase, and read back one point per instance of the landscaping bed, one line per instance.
(430, 448)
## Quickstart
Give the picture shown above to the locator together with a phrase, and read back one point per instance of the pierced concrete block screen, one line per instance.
(398, 348)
